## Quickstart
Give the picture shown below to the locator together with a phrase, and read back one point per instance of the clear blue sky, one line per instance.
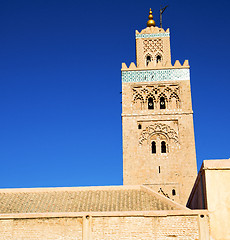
(60, 101)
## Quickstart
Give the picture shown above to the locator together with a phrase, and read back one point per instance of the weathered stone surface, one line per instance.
(171, 172)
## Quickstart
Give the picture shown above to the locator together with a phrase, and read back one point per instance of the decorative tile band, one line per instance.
(151, 35)
(156, 75)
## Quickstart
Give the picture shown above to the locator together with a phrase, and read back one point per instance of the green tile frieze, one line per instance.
(156, 75)
(151, 35)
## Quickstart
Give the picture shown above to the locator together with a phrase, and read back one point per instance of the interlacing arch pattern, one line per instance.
(168, 92)
(138, 96)
(162, 95)
(158, 128)
(150, 95)
(174, 95)
(155, 45)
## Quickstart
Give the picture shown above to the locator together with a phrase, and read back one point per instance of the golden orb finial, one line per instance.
(151, 22)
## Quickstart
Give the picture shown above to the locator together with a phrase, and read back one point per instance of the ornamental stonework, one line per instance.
(171, 94)
(159, 128)
(155, 45)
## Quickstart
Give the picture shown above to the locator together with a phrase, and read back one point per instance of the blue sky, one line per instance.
(60, 101)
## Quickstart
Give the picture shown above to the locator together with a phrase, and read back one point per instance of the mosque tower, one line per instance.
(157, 118)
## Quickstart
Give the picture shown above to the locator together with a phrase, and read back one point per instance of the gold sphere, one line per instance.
(151, 22)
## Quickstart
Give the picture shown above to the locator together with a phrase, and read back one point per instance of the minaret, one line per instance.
(157, 118)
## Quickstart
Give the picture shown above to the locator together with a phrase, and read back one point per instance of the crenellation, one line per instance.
(132, 66)
(152, 30)
(177, 64)
(155, 66)
(186, 63)
(124, 66)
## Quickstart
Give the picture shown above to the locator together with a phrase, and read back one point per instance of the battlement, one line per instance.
(152, 30)
(155, 66)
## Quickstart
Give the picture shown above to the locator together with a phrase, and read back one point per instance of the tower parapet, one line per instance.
(159, 65)
(158, 72)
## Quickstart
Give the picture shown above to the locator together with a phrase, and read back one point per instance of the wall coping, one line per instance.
(162, 213)
(56, 189)
(217, 164)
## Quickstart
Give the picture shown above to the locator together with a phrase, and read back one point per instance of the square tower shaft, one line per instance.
(157, 119)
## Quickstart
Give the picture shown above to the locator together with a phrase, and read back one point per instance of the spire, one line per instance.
(151, 22)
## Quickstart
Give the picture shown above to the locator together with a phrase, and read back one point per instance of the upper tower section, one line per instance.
(152, 45)
(153, 67)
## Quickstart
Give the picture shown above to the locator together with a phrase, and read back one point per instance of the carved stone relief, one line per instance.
(155, 45)
(159, 128)
(169, 92)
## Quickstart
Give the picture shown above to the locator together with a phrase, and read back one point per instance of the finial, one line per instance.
(151, 22)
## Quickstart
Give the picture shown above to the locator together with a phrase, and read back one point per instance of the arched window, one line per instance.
(162, 103)
(158, 58)
(150, 103)
(148, 60)
(154, 150)
(139, 126)
(173, 192)
(163, 147)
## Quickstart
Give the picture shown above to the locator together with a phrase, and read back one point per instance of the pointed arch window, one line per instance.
(158, 58)
(154, 149)
(163, 147)
(148, 60)
(150, 103)
(162, 103)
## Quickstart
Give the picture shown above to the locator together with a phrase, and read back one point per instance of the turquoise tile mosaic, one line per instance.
(156, 75)
(151, 35)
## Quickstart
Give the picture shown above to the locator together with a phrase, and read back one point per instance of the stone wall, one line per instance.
(213, 190)
(148, 225)
(175, 169)
(41, 228)
(145, 227)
